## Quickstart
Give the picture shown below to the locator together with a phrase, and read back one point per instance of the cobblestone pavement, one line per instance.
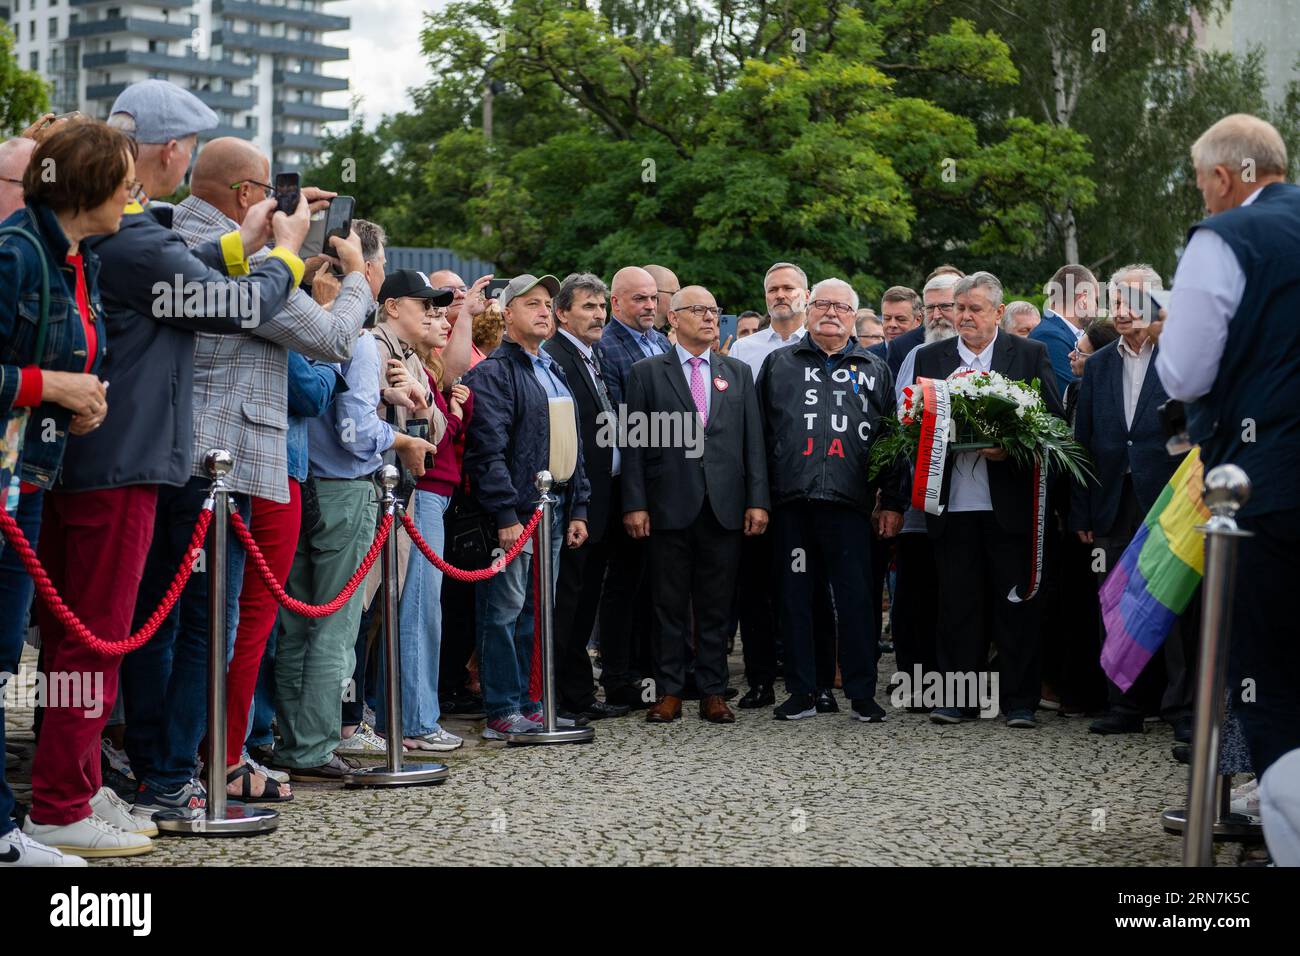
(759, 792)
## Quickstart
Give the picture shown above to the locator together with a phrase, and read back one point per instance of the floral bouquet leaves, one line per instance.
(986, 410)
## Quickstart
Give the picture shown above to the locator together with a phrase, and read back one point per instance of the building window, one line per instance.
(34, 60)
(53, 26)
(31, 30)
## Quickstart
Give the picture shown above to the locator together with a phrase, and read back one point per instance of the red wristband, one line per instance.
(29, 388)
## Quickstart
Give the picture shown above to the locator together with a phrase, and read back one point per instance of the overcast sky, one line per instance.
(384, 52)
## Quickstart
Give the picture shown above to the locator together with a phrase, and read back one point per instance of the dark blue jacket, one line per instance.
(1099, 426)
(65, 339)
(509, 439)
(147, 437)
(1058, 335)
(312, 386)
(901, 346)
(618, 351)
(1249, 417)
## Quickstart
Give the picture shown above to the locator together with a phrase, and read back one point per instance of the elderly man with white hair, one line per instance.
(1232, 352)
(1020, 318)
(983, 532)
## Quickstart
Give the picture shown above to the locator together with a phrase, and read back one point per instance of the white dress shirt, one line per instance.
(589, 362)
(969, 490)
(706, 373)
(1135, 373)
(1208, 288)
(753, 349)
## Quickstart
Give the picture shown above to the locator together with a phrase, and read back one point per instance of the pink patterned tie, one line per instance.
(697, 389)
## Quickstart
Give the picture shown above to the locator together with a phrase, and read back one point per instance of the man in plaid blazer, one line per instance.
(240, 404)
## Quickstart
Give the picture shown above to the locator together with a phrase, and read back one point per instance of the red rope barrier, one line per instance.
(45, 588)
(457, 574)
(293, 604)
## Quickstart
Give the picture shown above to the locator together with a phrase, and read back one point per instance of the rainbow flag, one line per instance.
(1156, 576)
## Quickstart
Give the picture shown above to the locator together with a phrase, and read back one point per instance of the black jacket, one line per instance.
(597, 455)
(509, 439)
(672, 479)
(820, 417)
(1010, 486)
(1100, 427)
(901, 346)
(147, 436)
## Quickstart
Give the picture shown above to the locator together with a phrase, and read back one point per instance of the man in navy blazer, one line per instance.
(629, 337)
(1071, 303)
(1118, 422)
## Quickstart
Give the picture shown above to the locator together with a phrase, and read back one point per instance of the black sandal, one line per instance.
(270, 792)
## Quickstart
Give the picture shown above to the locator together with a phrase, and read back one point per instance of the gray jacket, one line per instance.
(241, 381)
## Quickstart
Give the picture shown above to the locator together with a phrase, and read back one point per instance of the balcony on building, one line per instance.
(225, 129)
(274, 13)
(310, 111)
(136, 26)
(191, 65)
(304, 141)
(294, 79)
(163, 4)
(284, 46)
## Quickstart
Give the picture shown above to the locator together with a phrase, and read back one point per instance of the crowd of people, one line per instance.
(702, 485)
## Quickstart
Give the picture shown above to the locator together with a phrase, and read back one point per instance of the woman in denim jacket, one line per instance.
(77, 184)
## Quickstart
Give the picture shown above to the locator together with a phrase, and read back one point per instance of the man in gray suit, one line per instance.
(693, 488)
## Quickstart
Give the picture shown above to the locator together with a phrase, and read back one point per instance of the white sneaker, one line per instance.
(18, 849)
(500, 728)
(91, 837)
(442, 740)
(364, 742)
(1245, 800)
(279, 776)
(112, 809)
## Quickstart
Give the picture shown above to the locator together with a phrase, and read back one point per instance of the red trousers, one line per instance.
(94, 545)
(275, 528)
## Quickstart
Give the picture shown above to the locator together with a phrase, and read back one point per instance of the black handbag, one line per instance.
(470, 533)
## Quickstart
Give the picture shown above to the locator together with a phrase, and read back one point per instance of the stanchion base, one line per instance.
(1233, 828)
(406, 777)
(561, 735)
(241, 820)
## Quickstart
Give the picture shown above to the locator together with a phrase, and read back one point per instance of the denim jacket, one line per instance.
(65, 339)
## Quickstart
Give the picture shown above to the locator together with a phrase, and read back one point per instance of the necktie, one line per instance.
(601, 391)
(650, 346)
(697, 389)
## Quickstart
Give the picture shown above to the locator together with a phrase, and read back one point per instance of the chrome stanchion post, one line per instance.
(1226, 489)
(394, 774)
(551, 732)
(222, 817)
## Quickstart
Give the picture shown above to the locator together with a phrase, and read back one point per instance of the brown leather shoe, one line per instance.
(714, 709)
(665, 710)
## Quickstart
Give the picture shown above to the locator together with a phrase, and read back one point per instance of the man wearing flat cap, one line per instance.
(525, 421)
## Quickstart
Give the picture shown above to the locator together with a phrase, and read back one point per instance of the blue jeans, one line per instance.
(419, 615)
(16, 590)
(504, 629)
(165, 682)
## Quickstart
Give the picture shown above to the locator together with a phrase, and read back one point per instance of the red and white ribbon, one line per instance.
(1036, 541)
(932, 449)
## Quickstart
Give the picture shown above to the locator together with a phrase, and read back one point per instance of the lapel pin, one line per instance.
(720, 383)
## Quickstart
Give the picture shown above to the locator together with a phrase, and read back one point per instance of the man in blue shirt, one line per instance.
(1071, 305)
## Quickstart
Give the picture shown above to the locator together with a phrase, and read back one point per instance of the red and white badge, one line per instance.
(720, 384)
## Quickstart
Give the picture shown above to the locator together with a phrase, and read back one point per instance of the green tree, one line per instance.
(23, 94)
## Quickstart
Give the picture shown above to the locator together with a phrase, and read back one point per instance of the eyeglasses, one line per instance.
(871, 338)
(940, 307)
(826, 305)
(699, 310)
(267, 191)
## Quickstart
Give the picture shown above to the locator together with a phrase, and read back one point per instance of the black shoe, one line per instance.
(628, 696)
(730, 693)
(886, 646)
(867, 711)
(465, 706)
(1183, 730)
(759, 695)
(1182, 753)
(796, 707)
(579, 720)
(600, 710)
(1117, 723)
(825, 702)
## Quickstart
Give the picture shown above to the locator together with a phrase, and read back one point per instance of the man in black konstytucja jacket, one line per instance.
(822, 402)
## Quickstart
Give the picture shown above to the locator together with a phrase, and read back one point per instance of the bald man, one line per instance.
(667, 285)
(629, 337)
(14, 155)
(703, 490)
